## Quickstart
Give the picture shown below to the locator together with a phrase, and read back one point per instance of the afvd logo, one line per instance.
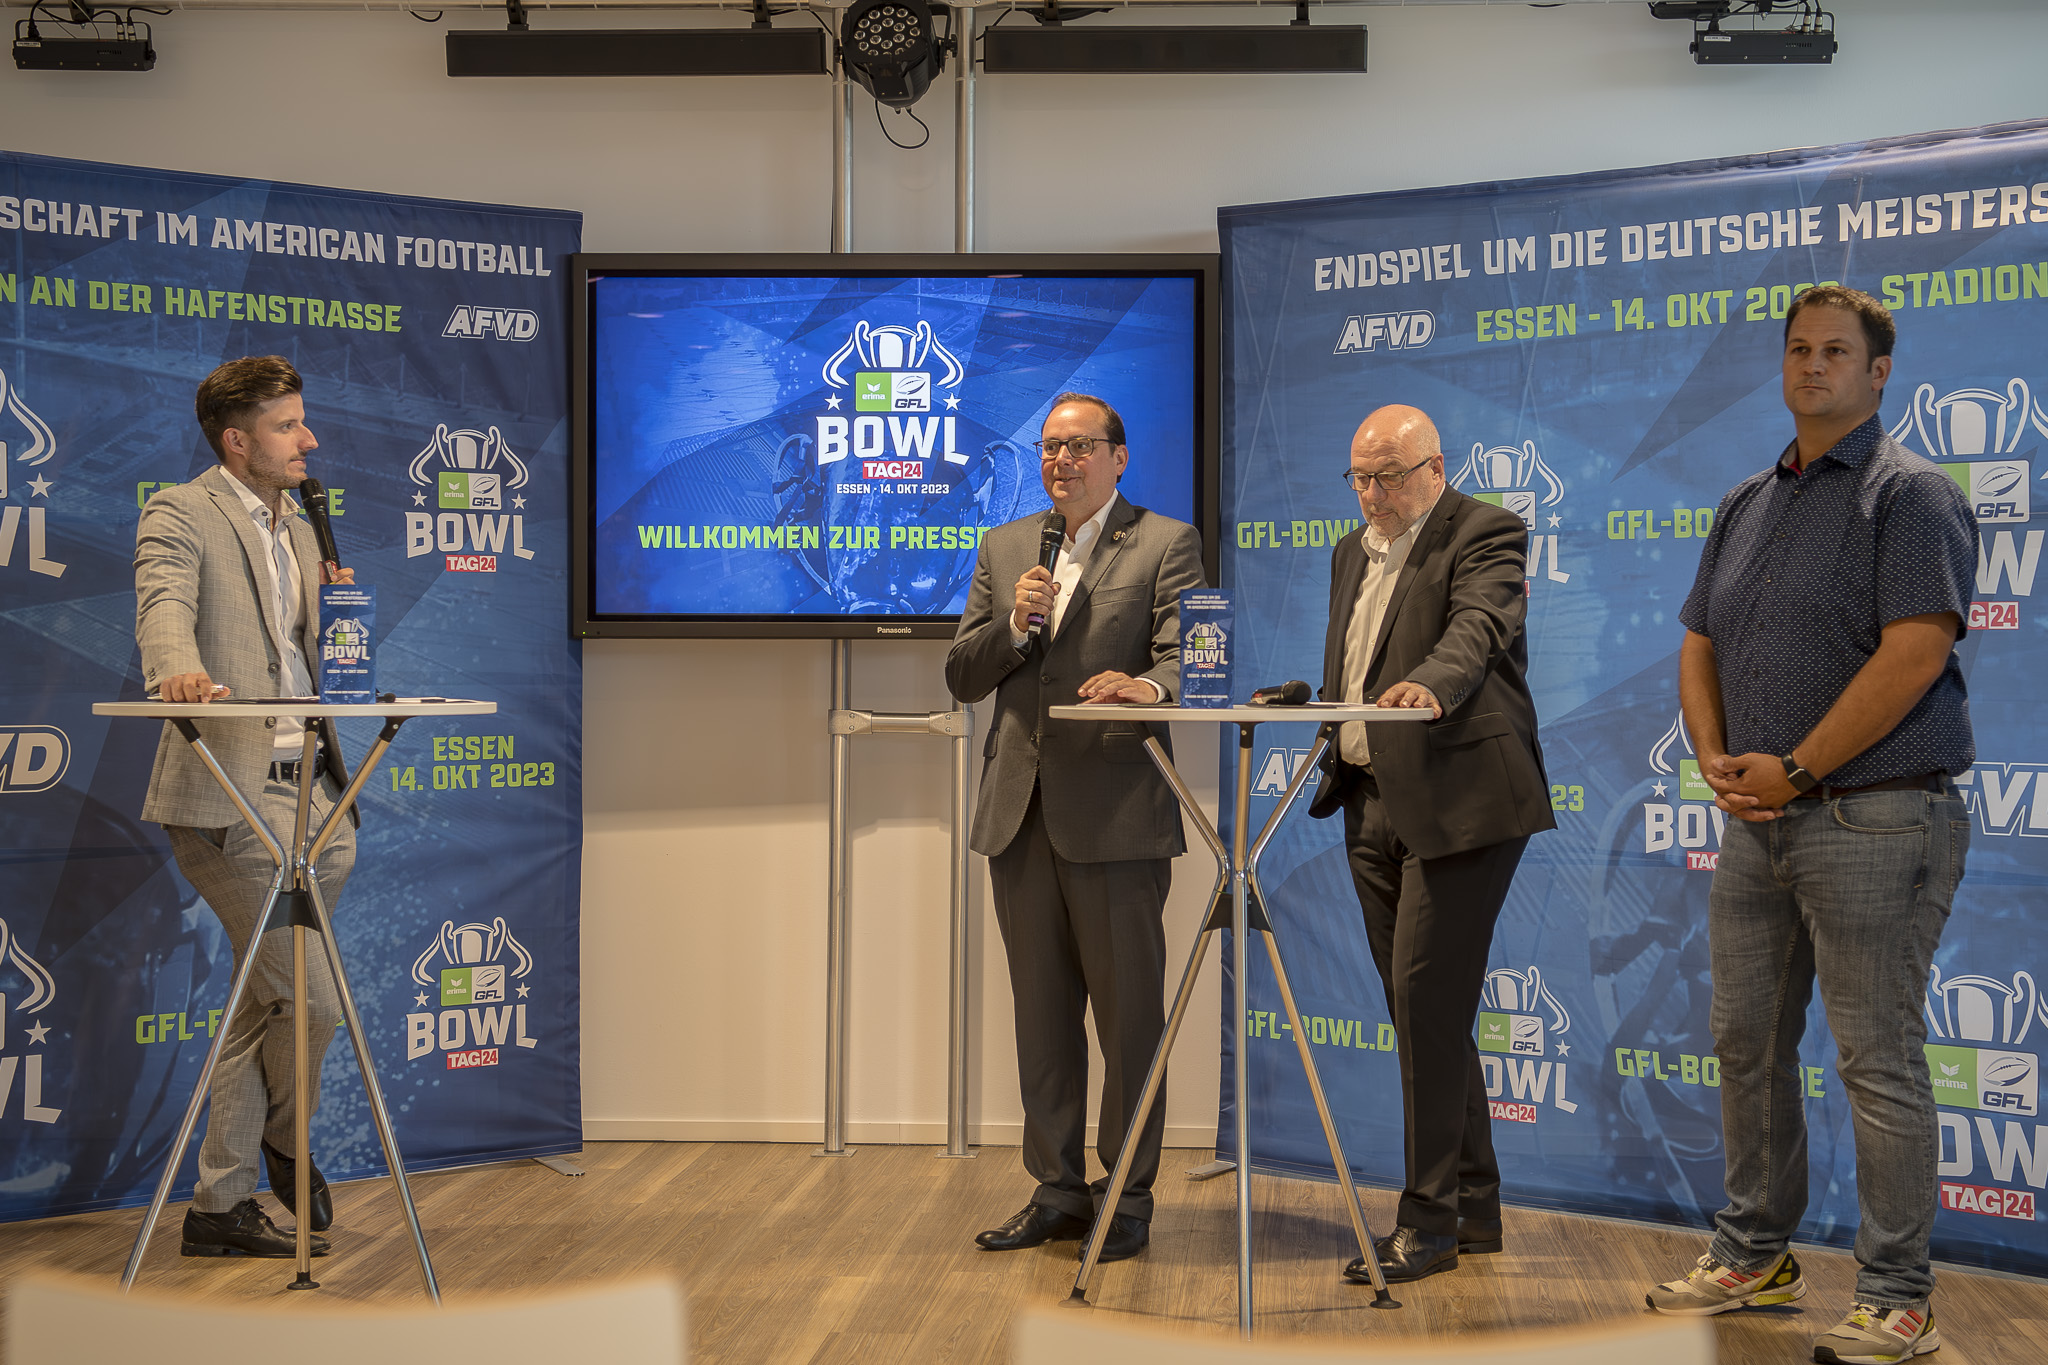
(33, 990)
(482, 995)
(1519, 1021)
(25, 441)
(1520, 480)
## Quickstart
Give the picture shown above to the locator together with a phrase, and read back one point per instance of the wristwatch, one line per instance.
(1802, 781)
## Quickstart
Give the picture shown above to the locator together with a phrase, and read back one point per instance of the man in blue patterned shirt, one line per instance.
(1828, 713)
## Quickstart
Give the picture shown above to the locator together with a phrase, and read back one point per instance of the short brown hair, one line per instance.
(1112, 422)
(232, 394)
(1879, 333)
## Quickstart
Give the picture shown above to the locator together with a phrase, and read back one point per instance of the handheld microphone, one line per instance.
(1052, 536)
(1294, 693)
(313, 495)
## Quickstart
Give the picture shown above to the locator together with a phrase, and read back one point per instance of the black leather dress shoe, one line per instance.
(1409, 1254)
(244, 1230)
(280, 1168)
(1034, 1225)
(1477, 1236)
(1127, 1237)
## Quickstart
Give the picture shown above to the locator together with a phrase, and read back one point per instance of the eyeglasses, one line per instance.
(1390, 481)
(1081, 447)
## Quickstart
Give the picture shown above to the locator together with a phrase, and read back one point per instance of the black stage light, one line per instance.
(129, 49)
(1689, 9)
(888, 47)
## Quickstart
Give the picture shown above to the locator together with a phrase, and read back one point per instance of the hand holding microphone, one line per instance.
(1036, 590)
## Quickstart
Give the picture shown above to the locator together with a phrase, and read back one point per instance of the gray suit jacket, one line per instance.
(1103, 799)
(201, 602)
(1453, 624)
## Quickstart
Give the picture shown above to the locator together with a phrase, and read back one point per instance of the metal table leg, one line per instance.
(1237, 868)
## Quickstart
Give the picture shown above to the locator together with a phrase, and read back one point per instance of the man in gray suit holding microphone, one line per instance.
(227, 604)
(1079, 828)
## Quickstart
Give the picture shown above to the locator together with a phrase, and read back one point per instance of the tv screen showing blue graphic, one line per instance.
(814, 446)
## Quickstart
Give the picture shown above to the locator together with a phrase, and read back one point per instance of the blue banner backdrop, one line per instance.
(430, 335)
(1601, 353)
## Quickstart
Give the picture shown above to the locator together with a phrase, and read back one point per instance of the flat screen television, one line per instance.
(812, 446)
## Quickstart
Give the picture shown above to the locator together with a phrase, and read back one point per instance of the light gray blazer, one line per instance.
(1103, 799)
(202, 602)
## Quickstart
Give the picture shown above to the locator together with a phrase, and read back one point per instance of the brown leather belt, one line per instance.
(1925, 782)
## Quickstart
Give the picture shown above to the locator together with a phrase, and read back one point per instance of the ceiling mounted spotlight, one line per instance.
(888, 46)
(1808, 38)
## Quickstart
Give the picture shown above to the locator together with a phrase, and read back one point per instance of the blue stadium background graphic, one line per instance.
(1616, 444)
(108, 963)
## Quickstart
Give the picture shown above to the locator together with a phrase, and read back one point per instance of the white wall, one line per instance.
(705, 855)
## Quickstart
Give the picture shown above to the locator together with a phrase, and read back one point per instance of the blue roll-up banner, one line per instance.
(430, 334)
(1601, 354)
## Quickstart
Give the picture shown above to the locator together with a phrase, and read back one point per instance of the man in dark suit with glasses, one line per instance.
(1426, 610)
(1079, 828)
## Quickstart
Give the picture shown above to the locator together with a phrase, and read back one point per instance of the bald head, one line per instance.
(1401, 444)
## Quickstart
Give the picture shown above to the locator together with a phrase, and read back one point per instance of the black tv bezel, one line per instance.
(587, 624)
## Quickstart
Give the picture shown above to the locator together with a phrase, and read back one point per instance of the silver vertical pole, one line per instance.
(963, 756)
(963, 131)
(956, 1004)
(842, 153)
(836, 946)
(1240, 964)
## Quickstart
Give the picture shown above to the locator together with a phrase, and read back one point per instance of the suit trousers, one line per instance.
(1081, 934)
(1430, 924)
(253, 1097)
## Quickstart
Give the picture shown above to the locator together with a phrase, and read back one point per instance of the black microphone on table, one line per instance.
(313, 495)
(1293, 693)
(1052, 535)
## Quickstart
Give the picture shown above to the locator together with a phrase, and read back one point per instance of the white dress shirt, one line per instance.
(1073, 562)
(287, 596)
(1384, 561)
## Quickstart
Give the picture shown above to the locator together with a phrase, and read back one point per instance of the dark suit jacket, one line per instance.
(1103, 799)
(1454, 625)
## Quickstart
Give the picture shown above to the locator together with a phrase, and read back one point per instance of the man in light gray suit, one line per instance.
(227, 605)
(1079, 828)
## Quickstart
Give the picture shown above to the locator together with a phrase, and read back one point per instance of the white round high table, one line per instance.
(295, 902)
(1237, 903)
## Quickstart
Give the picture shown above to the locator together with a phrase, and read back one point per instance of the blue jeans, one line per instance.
(1852, 893)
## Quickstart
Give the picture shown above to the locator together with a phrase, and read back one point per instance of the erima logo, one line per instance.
(32, 758)
(492, 324)
(1400, 331)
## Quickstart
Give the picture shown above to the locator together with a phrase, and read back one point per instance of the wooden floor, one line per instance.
(788, 1257)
